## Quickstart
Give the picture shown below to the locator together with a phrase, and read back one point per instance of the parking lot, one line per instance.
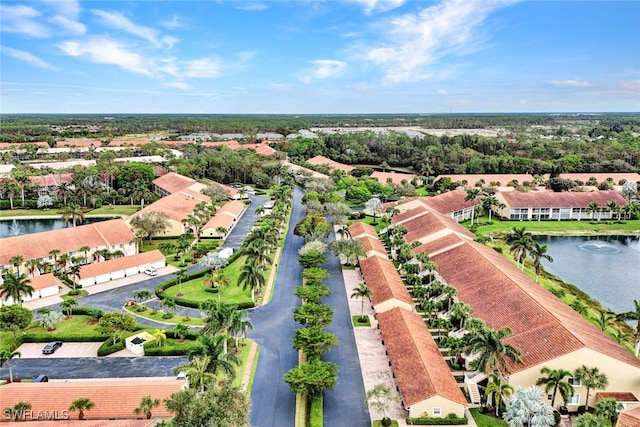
(68, 349)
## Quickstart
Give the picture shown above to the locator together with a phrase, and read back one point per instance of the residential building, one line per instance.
(226, 218)
(118, 268)
(44, 285)
(333, 165)
(629, 418)
(388, 289)
(395, 178)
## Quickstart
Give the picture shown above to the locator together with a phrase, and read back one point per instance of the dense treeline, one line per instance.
(32, 128)
(609, 151)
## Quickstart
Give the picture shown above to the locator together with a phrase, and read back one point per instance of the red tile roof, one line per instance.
(449, 202)
(543, 326)
(381, 276)
(173, 182)
(94, 423)
(409, 214)
(601, 177)
(234, 208)
(113, 398)
(442, 244)
(624, 396)
(360, 229)
(177, 206)
(44, 281)
(321, 160)
(51, 180)
(225, 216)
(546, 199)
(418, 365)
(395, 177)
(372, 244)
(432, 222)
(38, 245)
(629, 418)
(117, 264)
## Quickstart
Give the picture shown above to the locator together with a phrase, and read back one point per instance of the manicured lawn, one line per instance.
(245, 346)
(105, 210)
(115, 210)
(485, 420)
(149, 314)
(378, 423)
(69, 327)
(356, 321)
(583, 227)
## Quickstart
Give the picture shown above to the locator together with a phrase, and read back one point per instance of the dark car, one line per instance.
(51, 347)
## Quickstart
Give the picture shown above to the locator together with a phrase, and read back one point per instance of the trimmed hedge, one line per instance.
(170, 333)
(437, 421)
(152, 349)
(315, 411)
(108, 348)
(46, 337)
(85, 311)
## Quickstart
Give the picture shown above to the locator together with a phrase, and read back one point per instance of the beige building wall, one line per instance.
(622, 377)
(436, 407)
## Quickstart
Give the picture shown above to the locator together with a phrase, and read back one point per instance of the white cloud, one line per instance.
(630, 85)
(121, 22)
(202, 68)
(27, 57)
(572, 83)
(178, 85)
(22, 20)
(415, 41)
(323, 69)
(253, 7)
(70, 25)
(174, 23)
(378, 6)
(102, 50)
(67, 8)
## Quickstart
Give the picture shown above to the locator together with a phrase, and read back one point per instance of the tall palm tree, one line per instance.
(85, 250)
(54, 253)
(498, 389)
(64, 191)
(219, 361)
(72, 213)
(146, 405)
(197, 371)
(81, 404)
(604, 320)
(220, 281)
(473, 194)
(591, 378)
(613, 207)
(490, 352)
(520, 242)
(538, 252)
(555, 379)
(363, 292)
(592, 208)
(633, 315)
(491, 202)
(16, 287)
(5, 357)
(252, 277)
(17, 261)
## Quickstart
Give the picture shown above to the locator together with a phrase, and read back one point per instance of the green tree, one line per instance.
(591, 378)
(609, 409)
(142, 295)
(18, 410)
(313, 341)
(498, 389)
(5, 357)
(313, 227)
(489, 351)
(592, 209)
(381, 396)
(219, 359)
(146, 406)
(181, 331)
(81, 404)
(633, 315)
(520, 242)
(312, 378)
(16, 287)
(14, 318)
(17, 261)
(312, 293)
(313, 314)
(67, 306)
(252, 277)
(115, 324)
(73, 214)
(197, 371)
(473, 194)
(363, 292)
(538, 252)
(589, 420)
(150, 223)
(555, 379)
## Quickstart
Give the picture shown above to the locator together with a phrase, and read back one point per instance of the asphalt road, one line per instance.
(273, 403)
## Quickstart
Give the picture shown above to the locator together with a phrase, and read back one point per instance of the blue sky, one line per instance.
(313, 56)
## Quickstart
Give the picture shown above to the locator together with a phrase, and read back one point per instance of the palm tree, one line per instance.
(591, 378)
(67, 306)
(461, 311)
(85, 250)
(220, 281)
(362, 292)
(72, 213)
(181, 274)
(33, 265)
(64, 191)
(472, 195)
(344, 232)
(252, 277)
(613, 207)
(5, 357)
(538, 252)
(197, 370)
(604, 320)
(219, 361)
(54, 253)
(633, 315)
(81, 404)
(579, 307)
(491, 202)
(498, 389)
(609, 409)
(146, 405)
(555, 379)
(520, 242)
(16, 287)
(490, 352)
(592, 208)
(142, 295)
(18, 410)
(17, 261)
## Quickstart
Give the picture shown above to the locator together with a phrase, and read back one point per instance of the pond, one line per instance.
(18, 227)
(605, 267)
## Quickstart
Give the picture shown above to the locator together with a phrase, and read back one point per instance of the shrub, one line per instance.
(46, 337)
(167, 315)
(315, 412)
(108, 348)
(424, 420)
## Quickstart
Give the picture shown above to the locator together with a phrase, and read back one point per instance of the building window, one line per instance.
(574, 382)
(436, 412)
(549, 396)
(574, 400)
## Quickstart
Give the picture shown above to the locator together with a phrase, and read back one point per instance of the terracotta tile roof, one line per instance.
(172, 182)
(264, 149)
(381, 276)
(233, 144)
(321, 160)
(409, 214)
(372, 244)
(396, 177)
(79, 143)
(449, 202)
(233, 208)
(601, 177)
(232, 191)
(436, 246)
(543, 326)
(405, 204)
(624, 396)
(117, 264)
(130, 143)
(503, 179)
(218, 221)
(94, 423)
(21, 145)
(177, 205)
(113, 398)
(44, 281)
(546, 199)
(51, 180)
(360, 229)
(38, 245)
(430, 223)
(629, 418)
(420, 370)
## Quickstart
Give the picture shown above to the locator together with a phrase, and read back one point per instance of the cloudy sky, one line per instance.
(313, 56)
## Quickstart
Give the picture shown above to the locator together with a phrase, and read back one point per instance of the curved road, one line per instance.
(272, 402)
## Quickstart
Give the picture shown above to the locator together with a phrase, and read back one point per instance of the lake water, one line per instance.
(11, 227)
(606, 268)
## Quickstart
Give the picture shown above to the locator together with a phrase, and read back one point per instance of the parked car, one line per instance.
(51, 347)
(151, 272)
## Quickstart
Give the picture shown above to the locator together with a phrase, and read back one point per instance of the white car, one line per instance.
(151, 272)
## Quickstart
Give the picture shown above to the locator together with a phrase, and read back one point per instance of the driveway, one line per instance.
(68, 349)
